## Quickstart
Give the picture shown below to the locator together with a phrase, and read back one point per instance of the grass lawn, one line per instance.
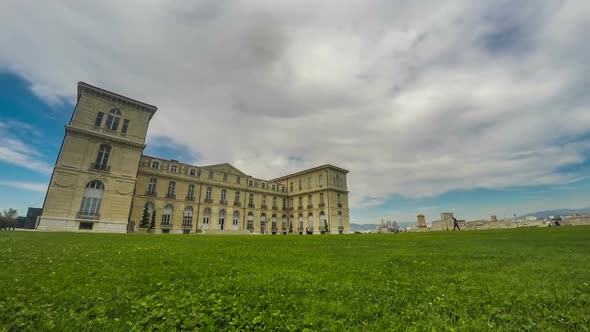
(518, 279)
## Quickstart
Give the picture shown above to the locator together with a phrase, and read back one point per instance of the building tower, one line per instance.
(421, 221)
(94, 177)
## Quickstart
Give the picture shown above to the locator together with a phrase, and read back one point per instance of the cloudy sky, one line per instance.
(475, 107)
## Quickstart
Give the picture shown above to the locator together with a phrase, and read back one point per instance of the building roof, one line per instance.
(147, 107)
(313, 169)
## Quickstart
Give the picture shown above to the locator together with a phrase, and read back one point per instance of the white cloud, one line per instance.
(16, 152)
(31, 186)
(414, 98)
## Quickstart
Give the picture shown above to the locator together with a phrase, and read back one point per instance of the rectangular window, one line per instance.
(291, 186)
(98, 120)
(238, 179)
(309, 201)
(210, 174)
(309, 182)
(321, 181)
(322, 198)
(338, 198)
(125, 126)
(300, 184)
(300, 201)
(224, 177)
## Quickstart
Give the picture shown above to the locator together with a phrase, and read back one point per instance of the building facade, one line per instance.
(102, 182)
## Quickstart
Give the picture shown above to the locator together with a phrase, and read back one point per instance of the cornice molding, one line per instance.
(84, 132)
(129, 102)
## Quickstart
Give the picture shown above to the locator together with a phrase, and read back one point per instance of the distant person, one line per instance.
(455, 224)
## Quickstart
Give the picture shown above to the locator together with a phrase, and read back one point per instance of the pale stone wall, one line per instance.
(263, 197)
(73, 169)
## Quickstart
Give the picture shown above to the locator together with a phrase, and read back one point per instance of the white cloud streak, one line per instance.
(414, 98)
(31, 186)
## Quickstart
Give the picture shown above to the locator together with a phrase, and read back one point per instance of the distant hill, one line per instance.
(557, 212)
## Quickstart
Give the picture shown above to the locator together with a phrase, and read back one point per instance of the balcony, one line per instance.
(251, 205)
(100, 167)
(300, 207)
(187, 225)
(339, 205)
(171, 195)
(223, 202)
(165, 225)
(237, 204)
(264, 206)
(310, 206)
(87, 215)
(275, 207)
(208, 200)
(190, 198)
(106, 130)
(321, 205)
(151, 193)
(285, 208)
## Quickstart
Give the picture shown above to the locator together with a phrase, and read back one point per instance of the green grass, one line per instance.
(521, 279)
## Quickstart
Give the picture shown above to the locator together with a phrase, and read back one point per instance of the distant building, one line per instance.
(421, 221)
(530, 218)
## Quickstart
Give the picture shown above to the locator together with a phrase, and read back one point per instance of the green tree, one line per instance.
(153, 222)
(145, 217)
(8, 219)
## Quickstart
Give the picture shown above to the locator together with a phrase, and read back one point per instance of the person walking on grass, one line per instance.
(455, 224)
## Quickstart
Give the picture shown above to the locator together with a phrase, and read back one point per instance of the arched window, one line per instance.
(171, 189)
(223, 196)
(237, 198)
(236, 219)
(173, 168)
(250, 225)
(191, 192)
(167, 215)
(113, 119)
(310, 221)
(221, 219)
(102, 158)
(284, 223)
(91, 200)
(300, 226)
(273, 223)
(251, 200)
(155, 164)
(187, 217)
(208, 194)
(323, 224)
(263, 223)
(206, 216)
(152, 186)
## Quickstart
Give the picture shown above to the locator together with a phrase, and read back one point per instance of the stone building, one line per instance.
(102, 182)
